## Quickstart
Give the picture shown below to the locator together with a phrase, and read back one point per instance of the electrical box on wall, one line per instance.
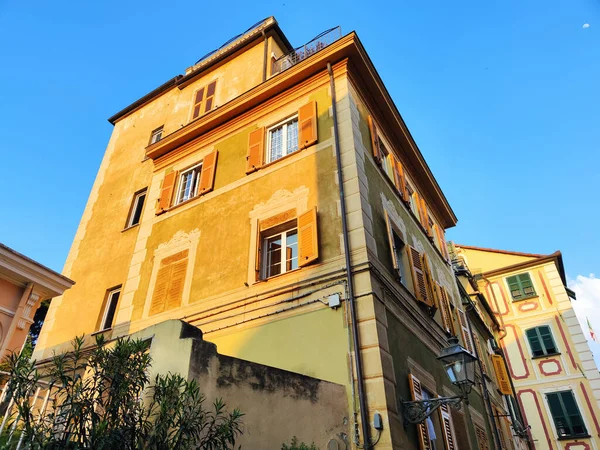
(334, 300)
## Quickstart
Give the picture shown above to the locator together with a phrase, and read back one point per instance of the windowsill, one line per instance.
(574, 438)
(532, 296)
(101, 331)
(546, 356)
(269, 164)
(277, 276)
(129, 228)
(185, 202)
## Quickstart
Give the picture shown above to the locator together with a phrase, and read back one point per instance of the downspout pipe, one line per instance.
(351, 300)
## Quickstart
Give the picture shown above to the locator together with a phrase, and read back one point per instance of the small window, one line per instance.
(108, 315)
(566, 415)
(387, 163)
(282, 139)
(137, 206)
(188, 183)
(399, 252)
(204, 100)
(156, 135)
(520, 286)
(541, 341)
(280, 249)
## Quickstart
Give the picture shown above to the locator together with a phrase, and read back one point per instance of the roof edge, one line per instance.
(495, 250)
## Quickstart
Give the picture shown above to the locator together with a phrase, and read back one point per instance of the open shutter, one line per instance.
(399, 179)
(390, 231)
(501, 375)
(447, 429)
(431, 294)
(375, 141)
(445, 309)
(418, 276)
(166, 192)
(308, 242)
(441, 241)
(417, 395)
(425, 217)
(256, 150)
(464, 327)
(480, 353)
(207, 177)
(307, 122)
(257, 259)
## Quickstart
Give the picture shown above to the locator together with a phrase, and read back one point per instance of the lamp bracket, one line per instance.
(417, 411)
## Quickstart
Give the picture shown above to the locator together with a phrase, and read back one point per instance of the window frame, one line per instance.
(268, 234)
(132, 208)
(110, 293)
(202, 103)
(283, 123)
(178, 197)
(156, 132)
(541, 341)
(566, 417)
(523, 296)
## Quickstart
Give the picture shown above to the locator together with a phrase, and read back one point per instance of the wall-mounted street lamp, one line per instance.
(459, 365)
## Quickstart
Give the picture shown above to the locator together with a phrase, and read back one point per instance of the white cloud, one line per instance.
(586, 25)
(587, 307)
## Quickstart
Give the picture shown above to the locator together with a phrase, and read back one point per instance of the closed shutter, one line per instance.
(418, 276)
(207, 177)
(209, 103)
(460, 429)
(166, 192)
(308, 243)
(526, 284)
(399, 179)
(432, 295)
(501, 375)
(159, 297)
(392, 242)
(480, 353)
(198, 101)
(256, 150)
(464, 327)
(168, 289)
(417, 395)
(482, 440)
(447, 429)
(307, 122)
(175, 293)
(375, 141)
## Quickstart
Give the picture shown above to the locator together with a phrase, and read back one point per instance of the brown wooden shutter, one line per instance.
(209, 103)
(207, 177)
(464, 327)
(499, 422)
(257, 259)
(433, 301)
(168, 289)
(447, 429)
(307, 124)
(198, 100)
(399, 179)
(418, 276)
(159, 296)
(375, 141)
(501, 375)
(448, 311)
(480, 353)
(425, 217)
(417, 395)
(166, 192)
(460, 429)
(176, 283)
(256, 150)
(482, 440)
(390, 231)
(444, 308)
(308, 242)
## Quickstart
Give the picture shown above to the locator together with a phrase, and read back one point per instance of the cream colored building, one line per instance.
(555, 377)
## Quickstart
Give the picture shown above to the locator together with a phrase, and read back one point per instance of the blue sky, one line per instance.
(501, 97)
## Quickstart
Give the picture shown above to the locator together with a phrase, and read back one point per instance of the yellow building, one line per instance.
(556, 380)
(274, 198)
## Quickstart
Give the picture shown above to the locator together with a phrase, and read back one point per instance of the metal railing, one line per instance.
(304, 51)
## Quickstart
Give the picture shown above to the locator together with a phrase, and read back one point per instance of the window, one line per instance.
(520, 286)
(283, 139)
(156, 135)
(137, 206)
(204, 100)
(397, 248)
(566, 415)
(541, 341)
(188, 183)
(108, 315)
(280, 246)
(413, 199)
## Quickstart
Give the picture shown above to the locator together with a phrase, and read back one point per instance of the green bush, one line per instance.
(294, 445)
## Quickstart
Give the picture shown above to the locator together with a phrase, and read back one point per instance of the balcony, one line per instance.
(324, 39)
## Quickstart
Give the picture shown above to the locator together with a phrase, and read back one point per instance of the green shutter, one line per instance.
(520, 286)
(513, 286)
(535, 342)
(526, 285)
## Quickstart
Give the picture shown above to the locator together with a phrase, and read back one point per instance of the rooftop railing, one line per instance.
(304, 51)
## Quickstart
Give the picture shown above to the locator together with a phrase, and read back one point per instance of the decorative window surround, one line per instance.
(180, 241)
(281, 201)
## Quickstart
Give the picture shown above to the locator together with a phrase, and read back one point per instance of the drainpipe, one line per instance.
(351, 301)
(266, 50)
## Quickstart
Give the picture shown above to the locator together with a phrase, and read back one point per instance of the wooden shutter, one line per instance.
(399, 179)
(482, 440)
(460, 429)
(499, 422)
(256, 150)
(514, 287)
(480, 353)
(439, 232)
(166, 192)
(175, 292)
(198, 101)
(447, 430)
(464, 327)
(417, 395)
(209, 102)
(445, 309)
(308, 242)
(390, 231)
(501, 375)
(257, 258)
(307, 124)
(207, 177)
(418, 276)
(159, 297)
(432, 295)
(375, 141)
(168, 289)
(425, 217)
